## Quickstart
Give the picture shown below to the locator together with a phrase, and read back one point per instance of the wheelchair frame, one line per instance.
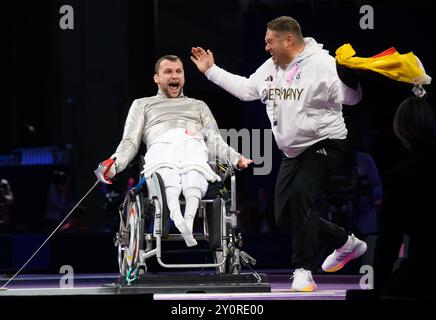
(146, 199)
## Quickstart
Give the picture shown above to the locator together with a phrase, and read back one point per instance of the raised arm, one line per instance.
(241, 87)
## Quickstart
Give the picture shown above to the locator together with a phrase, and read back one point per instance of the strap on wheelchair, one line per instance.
(131, 277)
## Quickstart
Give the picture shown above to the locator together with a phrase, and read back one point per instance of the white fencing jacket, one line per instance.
(303, 101)
(180, 133)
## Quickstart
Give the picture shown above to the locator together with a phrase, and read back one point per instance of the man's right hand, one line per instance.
(202, 59)
(106, 170)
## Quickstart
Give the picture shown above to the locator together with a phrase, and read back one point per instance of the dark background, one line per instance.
(75, 87)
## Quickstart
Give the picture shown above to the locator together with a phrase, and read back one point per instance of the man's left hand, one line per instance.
(243, 162)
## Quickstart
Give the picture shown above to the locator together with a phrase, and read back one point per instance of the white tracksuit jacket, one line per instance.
(303, 102)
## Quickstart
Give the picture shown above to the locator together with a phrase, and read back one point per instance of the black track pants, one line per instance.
(298, 195)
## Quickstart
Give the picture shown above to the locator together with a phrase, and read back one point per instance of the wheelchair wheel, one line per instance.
(129, 234)
(232, 265)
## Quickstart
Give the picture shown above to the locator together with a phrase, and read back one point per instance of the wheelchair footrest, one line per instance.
(188, 250)
(194, 283)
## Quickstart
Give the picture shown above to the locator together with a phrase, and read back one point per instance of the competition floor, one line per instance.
(275, 286)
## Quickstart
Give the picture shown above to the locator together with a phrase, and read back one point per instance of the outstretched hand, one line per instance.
(202, 59)
(243, 162)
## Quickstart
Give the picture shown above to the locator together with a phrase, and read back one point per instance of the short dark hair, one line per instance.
(415, 124)
(286, 24)
(170, 57)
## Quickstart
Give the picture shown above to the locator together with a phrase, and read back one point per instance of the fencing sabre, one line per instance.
(60, 224)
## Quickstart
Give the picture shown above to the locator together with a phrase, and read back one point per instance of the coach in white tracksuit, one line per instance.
(303, 95)
(179, 132)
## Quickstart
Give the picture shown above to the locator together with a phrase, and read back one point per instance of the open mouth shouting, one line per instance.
(174, 87)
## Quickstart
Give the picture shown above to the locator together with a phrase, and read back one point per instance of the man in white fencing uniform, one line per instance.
(180, 133)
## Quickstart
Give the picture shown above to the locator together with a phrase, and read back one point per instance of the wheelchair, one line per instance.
(147, 202)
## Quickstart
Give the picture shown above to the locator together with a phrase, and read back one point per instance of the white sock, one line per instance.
(189, 240)
(174, 207)
(191, 208)
(190, 212)
(179, 222)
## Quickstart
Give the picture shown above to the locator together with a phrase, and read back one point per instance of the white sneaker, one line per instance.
(352, 249)
(303, 281)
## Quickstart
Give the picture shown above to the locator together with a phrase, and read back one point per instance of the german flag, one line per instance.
(400, 67)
